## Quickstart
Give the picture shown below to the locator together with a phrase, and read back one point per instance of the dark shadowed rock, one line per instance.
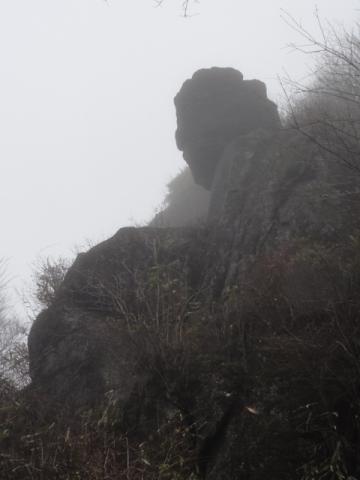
(215, 106)
(246, 328)
(276, 197)
(86, 343)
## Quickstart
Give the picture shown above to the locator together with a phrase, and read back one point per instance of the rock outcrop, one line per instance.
(215, 106)
(83, 346)
(244, 330)
(276, 195)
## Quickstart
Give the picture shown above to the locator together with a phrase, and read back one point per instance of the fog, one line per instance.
(86, 105)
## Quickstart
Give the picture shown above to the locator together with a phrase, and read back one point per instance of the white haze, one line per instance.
(86, 105)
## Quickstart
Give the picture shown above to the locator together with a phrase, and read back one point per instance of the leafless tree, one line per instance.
(327, 110)
(48, 276)
(13, 351)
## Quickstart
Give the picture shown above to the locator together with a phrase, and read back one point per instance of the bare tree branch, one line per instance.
(327, 110)
(185, 6)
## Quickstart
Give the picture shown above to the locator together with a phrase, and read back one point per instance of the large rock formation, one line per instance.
(244, 330)
(215, 106)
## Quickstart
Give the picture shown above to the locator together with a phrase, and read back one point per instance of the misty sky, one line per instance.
(86, 105)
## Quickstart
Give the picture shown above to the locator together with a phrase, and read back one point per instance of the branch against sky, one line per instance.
(185, 6)
(13, 350)
(327, 108)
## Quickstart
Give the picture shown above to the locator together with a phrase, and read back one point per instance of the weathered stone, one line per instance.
(213, 322)
(215, 106)
(276, 195)
(82, 346)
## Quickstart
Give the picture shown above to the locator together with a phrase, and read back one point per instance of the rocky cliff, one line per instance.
(242, 333)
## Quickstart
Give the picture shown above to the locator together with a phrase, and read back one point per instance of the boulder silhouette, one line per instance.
(215, 106)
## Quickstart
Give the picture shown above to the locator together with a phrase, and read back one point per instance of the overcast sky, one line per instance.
(86, 105)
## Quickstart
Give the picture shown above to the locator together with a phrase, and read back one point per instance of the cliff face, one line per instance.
(276, 196)
(246, 328)
(83, 346)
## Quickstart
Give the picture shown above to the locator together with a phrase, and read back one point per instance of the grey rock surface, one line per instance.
(214, 107)
(83, 345)
(275, 195)
(282, 214)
